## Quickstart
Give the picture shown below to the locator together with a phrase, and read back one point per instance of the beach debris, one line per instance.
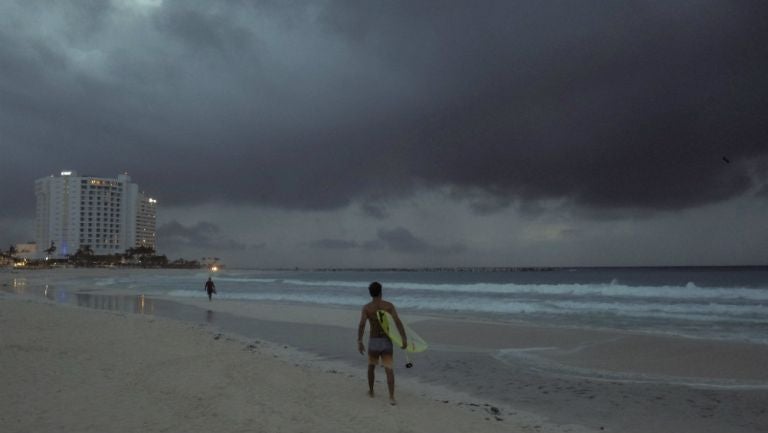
(217, 336)
(496, 412)
(252, 347)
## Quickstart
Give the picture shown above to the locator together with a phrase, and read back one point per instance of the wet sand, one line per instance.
(598, 380)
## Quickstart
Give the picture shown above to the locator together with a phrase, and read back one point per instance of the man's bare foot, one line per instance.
(392, 401)
(370, 394)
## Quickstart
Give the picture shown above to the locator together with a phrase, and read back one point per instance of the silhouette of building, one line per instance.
(109, 215)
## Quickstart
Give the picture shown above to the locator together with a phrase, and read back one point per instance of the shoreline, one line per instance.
(565, 348)
(514, 367)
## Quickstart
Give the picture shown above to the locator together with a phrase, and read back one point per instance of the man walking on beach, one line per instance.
(210, 288)
(379, 345)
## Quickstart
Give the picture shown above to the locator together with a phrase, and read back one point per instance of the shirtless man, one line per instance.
(379, 345)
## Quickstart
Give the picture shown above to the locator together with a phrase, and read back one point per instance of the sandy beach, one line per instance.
(74, 369)
(96, 361)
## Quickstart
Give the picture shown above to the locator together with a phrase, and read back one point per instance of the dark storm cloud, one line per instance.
(398, 240)
(401, 240)
(374, 211)
(203, 235)
(334, 244)
(608, 105)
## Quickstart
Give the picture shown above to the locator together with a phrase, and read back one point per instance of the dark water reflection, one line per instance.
(327, 341)
(139, 304)
(127, 304)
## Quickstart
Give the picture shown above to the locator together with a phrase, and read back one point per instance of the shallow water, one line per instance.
(721, 303)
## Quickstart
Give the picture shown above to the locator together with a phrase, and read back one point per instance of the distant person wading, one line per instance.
(210, 288)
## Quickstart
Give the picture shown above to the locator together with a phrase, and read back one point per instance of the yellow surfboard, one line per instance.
(415, 342)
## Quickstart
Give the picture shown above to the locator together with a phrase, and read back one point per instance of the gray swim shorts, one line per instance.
(377, 345)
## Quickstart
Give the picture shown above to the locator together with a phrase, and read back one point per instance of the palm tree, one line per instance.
(50, 250)
(141, 251)
(84, 250)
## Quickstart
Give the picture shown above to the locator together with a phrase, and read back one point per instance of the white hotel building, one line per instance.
(109, 215)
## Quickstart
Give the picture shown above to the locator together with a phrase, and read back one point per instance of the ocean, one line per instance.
(725, 303)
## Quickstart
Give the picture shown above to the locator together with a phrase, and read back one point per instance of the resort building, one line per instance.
(108, 215)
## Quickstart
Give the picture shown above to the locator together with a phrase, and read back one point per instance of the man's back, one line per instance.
(370, 310)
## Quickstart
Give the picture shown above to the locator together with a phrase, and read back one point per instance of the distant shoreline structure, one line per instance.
(116, 261)
(66, 265)
(194, 264)
(499, 268)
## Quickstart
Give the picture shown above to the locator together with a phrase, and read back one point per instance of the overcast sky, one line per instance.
(402, 133)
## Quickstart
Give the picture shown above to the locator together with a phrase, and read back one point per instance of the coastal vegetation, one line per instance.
(84, 257)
